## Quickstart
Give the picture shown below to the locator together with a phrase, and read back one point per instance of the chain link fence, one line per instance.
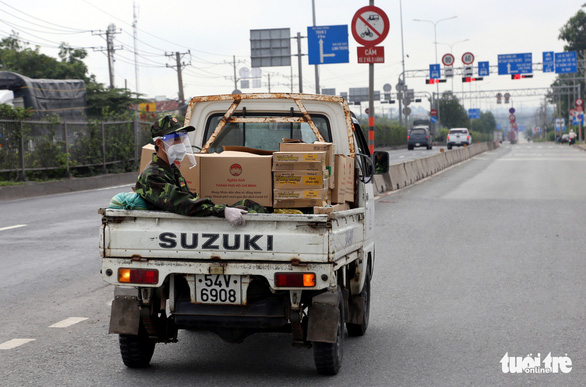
(45, 150)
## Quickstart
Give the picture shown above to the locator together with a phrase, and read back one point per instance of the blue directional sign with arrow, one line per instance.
(328, 44)
(515, 64)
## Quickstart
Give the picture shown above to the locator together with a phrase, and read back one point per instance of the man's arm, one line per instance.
(161, 191)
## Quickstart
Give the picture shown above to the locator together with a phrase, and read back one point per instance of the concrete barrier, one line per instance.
(407, 173)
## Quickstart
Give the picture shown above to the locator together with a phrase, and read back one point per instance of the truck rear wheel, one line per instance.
(136, 351)
(328, 356)
(360, 329)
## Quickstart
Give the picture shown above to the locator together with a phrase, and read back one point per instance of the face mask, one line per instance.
(175, 152)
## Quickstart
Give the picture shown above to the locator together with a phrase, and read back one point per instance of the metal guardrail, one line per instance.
(71, 148)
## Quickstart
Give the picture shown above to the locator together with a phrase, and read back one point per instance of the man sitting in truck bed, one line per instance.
(163, 187)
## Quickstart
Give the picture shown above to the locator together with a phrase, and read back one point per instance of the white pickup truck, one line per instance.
(304, 274)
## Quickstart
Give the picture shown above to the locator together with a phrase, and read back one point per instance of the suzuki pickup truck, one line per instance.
(305, 274)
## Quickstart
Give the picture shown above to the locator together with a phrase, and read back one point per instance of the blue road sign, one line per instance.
(483, 69)
(434, 71)
(548, 62)
(474, 114)
(433, 119)
(328, 44)
(566, 62)
(515, 64)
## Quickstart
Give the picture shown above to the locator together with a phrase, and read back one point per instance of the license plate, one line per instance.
(218, 289)
(417, 144)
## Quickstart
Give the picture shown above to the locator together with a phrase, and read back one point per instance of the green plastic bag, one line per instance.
(128, 201)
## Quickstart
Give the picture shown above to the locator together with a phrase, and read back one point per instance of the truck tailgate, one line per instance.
(265, 237)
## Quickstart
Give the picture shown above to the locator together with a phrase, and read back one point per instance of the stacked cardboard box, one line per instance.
(300, 179)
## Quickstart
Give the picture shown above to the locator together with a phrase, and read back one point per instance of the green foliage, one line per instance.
(386, 132)
(8, 112)
(574, 33)
(452, 113)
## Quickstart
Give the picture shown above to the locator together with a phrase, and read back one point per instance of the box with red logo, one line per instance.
(231, 176)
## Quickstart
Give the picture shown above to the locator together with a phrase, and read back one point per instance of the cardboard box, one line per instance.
(317, 146)
(280, 194)
(231, 176)
(191, 175)
(330, 209)
(299, 161)
(344, 177)
(299, 179)
(298, 203)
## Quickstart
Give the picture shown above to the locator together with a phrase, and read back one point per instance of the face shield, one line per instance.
(178, 148)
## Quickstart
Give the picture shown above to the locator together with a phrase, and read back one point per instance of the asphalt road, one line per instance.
(481, 260)
(402, 155)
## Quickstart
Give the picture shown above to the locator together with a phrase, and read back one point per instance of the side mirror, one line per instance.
(381, 163)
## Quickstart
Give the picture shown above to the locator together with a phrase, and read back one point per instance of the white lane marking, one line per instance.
(11, 227)
(401, 157)
(68, 322)
(10, 344)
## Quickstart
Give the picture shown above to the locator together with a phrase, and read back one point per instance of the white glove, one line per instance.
(234, 216)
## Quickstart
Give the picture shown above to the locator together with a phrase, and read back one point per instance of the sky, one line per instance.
(211, 34)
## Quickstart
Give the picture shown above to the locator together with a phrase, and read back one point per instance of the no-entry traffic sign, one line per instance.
(370, 25)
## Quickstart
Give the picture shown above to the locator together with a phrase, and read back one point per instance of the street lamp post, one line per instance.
(435, 23)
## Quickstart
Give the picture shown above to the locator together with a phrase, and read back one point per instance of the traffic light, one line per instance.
(432, 81)
(471, 79)
(520, 76)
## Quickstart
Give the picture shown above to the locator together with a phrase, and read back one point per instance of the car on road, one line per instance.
(458, 137)
(419, 136)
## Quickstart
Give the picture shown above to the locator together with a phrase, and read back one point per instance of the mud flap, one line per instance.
(323, 318)
(125, 314)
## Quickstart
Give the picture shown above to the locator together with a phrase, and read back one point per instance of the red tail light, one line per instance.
(467, 137)
(138, 276)
(407, 137)
(427, 137)
(295, 280)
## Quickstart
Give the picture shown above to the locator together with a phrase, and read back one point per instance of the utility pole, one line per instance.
(110, 49)
(316, 66)
(178, 56)
(236, 79)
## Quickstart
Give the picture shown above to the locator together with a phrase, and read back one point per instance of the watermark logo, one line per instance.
(535, 365)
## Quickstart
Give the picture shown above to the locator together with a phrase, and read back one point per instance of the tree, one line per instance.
(16, 57)
(574, 33)
(452, 113)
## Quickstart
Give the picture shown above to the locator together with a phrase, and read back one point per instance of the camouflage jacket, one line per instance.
(164, 188)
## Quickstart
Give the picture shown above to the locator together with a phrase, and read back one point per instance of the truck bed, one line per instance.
(324, 238)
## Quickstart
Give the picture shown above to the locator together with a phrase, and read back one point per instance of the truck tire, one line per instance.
(360, 329)
(328, 356)
(136, 351)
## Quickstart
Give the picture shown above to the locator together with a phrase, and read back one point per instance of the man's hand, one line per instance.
(234, 216)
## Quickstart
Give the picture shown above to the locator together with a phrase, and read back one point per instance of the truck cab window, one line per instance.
(264, 135)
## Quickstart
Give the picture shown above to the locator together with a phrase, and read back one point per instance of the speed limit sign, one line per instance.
(448, 60)
(579, 102)
(468, 58)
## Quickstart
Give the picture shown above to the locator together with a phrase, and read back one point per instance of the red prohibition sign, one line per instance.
(370, 26)
(468, 58)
